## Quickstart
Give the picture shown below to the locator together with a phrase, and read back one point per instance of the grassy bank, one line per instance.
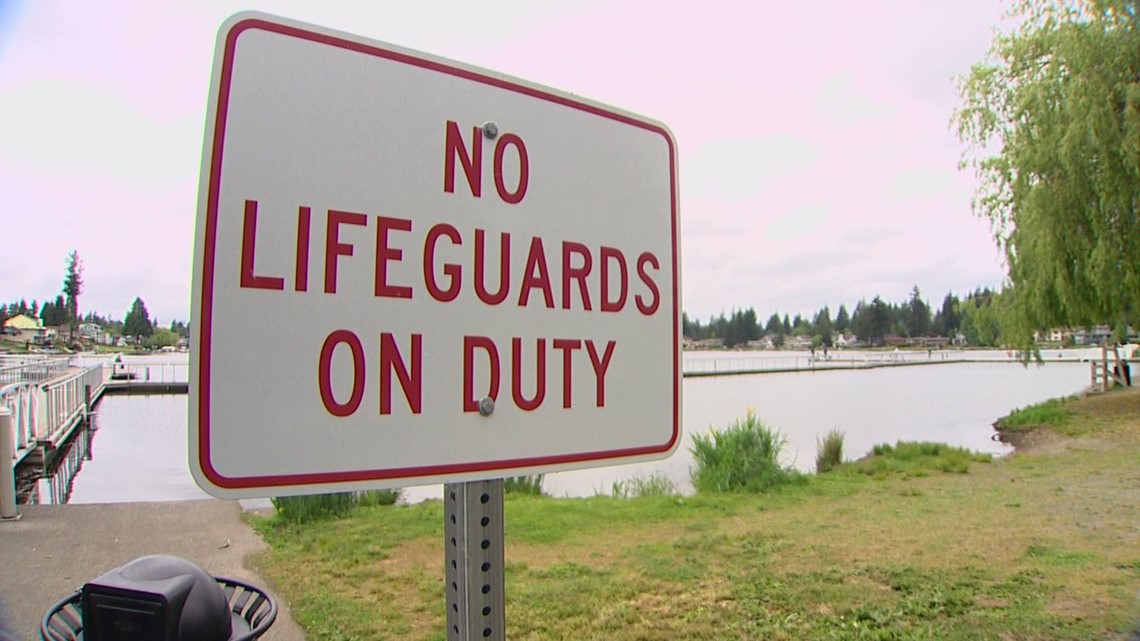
(926, 543)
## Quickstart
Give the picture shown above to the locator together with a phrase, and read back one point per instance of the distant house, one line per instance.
(930, 342)
(1098, 335)
(709, 343)
(23, 321)
(90, 331)
(24, 328)
(798, 342)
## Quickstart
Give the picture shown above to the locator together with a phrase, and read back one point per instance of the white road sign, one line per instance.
(409, 270)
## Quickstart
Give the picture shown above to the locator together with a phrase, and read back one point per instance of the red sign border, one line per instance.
(206, 321)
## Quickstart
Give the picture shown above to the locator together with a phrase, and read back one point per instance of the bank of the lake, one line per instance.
(138, 446)
(1042, 544)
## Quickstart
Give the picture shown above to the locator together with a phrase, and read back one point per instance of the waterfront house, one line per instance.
(798, 342)
(26, 329)
(91, 332)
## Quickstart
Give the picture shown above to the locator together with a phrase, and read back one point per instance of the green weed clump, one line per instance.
(829, 451)
(1054, 412)
(369, 498)
(655, 485)
(744, 457)
(912, 459)
(313, 507)
(523, 485)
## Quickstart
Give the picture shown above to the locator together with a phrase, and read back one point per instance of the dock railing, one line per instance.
(64, 400)
(149, 372)
(31, 368)
(22, 400)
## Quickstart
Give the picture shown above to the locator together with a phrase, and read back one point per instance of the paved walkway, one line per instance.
(54, 549)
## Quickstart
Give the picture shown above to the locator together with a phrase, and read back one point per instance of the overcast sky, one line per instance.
(817, 162)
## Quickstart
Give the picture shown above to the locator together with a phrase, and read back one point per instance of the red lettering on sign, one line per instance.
(411, 383)
(536, 275)
(472, 164)
(651, 307)
(524, 169)
(567, 345)
(248, 248)
(333, 246)
(452, 270)
(301, 269)
(481, 268)
(384, 253)
(324, 373)
(608, 254)
(470, 343)
(600, 367)
(521, 401)
(579, 273)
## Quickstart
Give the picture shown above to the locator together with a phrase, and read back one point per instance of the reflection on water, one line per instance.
(138, 449)
(955, 404)
(136, 452)
(50, 482)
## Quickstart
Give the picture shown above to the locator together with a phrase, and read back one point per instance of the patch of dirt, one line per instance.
(1034, 439)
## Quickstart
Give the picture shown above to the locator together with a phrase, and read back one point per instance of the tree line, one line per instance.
(63, 311)
(974, 316)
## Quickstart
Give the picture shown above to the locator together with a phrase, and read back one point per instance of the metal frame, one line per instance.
(473, 560)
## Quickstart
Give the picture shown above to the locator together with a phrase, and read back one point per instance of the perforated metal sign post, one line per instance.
(408, 270)
(473, 560)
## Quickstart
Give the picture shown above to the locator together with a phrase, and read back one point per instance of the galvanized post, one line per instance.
(473, 560)
(87, 405)
(7, 467)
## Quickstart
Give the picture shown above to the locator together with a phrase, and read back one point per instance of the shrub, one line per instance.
(828, 451)
(525, 485)
(369, 498)
(917, 459)
(311, 507)
(745, 457)
(655, 485)
(1052, 412)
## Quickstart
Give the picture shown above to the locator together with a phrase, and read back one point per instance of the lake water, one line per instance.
(138, 450)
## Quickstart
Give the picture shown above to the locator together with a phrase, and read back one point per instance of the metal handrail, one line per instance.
(23, 400)
(65, 398)
(169, 372)
(33, 369)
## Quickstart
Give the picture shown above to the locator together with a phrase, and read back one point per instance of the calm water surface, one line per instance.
(138, 452)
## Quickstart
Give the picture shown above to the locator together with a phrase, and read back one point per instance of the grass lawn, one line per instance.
(1044, 544)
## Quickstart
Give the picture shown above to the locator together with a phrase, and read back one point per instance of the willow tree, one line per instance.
(1051, 123)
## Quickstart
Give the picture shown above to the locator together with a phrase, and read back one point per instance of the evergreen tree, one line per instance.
(822, 325)
(137, 322)
(774, 326)
(950, 319)
(72, 288)
(842, 320)
(918, 314)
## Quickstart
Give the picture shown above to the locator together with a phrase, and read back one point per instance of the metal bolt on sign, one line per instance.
(473, 560)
